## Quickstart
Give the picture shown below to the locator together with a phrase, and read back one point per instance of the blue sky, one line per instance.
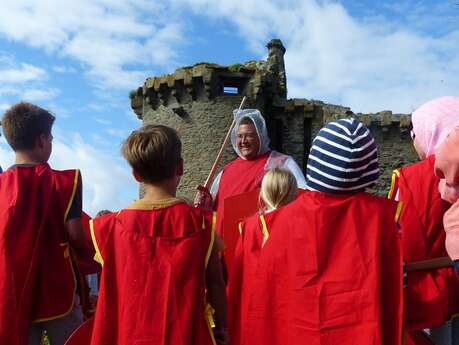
(81, 59)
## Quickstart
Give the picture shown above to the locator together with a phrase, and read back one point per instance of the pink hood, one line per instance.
(433, 121)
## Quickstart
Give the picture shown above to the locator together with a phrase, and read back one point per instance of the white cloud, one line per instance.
(6, 154)
(102, 121)
(107, 183)
(21, 74)
(22, 81)
(106, 36)
(36, 95)
(4, 106)
(27, 92)
(159, 46)
(367, 64)
(64, 69)
(59, 111)
(118, 133)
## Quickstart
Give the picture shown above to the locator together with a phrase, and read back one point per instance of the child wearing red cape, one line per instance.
(330, 271)
(40, 226)
(158, 257)
(431, 294)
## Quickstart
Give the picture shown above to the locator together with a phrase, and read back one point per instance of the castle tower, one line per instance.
(276, 64)
(198, 101)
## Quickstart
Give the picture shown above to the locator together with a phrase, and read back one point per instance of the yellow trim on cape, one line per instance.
(398, 213)
(212, 238)
(264, 227)
(73, 294)
(146, 205)
(239, 226)
(214, 221)
(75, 184)
(98, 256)
(209, 311)
(66, 250)
(208, 316)
(395, 174)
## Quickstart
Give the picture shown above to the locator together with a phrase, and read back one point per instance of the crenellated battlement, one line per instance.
(204, 82)
(331, 112)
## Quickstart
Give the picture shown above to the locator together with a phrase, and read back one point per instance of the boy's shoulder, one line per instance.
(39, 170)
(72, 173)
(422, 166)
(165, 205)
(173, 208)
(175, 218)
(312, 200)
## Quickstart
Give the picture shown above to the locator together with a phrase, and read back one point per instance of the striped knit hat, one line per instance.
(343, 158)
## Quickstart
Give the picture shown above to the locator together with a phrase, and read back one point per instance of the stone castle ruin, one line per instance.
(198, 101)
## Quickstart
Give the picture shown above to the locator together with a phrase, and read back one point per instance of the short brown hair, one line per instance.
(23, 124)
(154, 152)
(246, 121)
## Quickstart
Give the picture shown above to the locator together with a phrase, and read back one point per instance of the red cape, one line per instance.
(37, 281)
(329, 273)
(152, 287)
(85, 256)
(238, 177)
(431, 296)
(237, 208)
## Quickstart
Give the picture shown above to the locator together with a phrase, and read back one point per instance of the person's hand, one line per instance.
(221, 336)
(203, 198)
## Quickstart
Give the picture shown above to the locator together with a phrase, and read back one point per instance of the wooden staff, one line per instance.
(429, 264)
(212, 172)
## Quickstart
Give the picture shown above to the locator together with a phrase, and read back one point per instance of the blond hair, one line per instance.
(278, 188)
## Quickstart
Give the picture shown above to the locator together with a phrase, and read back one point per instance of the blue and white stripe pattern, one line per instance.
(343, 158)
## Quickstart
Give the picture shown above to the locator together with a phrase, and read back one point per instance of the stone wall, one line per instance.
(394, 151)
(202, 133)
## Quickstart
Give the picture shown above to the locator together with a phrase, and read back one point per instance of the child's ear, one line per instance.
(180, 167)
(136, 176)
(40, 142)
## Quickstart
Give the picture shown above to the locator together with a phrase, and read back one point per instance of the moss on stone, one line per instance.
(132, 94)
(235, 68)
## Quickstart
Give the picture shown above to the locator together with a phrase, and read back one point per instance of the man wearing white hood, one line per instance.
(251, 143)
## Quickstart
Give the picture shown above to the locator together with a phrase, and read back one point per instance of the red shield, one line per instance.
(237, 208)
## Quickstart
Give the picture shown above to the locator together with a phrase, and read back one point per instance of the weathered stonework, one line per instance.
(198, 101)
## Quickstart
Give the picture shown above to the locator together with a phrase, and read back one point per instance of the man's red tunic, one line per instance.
(37, 280)
(329, 273)
(431, 296)
(153, 277)
(238, 176)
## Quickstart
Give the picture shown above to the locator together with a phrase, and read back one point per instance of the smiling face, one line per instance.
(248, 141)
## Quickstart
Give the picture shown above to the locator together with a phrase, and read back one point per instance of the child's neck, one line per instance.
(160, 191)
(28, 157)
